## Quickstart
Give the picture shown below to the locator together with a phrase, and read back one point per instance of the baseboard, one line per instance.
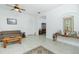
(30, 35)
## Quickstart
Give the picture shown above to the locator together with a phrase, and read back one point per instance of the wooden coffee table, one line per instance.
(7, 40)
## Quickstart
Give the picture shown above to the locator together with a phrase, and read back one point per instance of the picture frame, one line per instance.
(68, 23)
(11, 21)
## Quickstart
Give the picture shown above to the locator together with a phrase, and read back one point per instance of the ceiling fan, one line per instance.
(17, 8)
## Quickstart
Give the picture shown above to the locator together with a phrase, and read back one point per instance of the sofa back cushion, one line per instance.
(10, 33)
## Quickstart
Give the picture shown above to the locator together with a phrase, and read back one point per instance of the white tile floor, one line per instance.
(72, 41)
(32, 42)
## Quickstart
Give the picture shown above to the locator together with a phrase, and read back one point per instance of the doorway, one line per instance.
(42, 30)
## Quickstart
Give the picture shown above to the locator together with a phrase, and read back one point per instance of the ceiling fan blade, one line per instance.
(16, 5)
(23, 9)
(19, 11)
(12, 9)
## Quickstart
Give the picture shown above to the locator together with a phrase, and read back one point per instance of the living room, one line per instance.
(29, 22)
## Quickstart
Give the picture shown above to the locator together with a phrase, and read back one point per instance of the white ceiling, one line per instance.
(34, 8)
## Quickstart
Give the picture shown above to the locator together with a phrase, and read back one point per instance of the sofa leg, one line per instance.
(4, 44)
(19, 41)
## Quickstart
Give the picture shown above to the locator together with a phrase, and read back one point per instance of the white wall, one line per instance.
(25, 22)
(31, 24)
(55, 18)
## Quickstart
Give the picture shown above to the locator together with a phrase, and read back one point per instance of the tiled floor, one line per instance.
(32, 42)
(69, 40)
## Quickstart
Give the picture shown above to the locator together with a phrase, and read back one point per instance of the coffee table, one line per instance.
(7, 40)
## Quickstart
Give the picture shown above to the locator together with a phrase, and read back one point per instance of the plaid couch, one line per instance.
(12, 33)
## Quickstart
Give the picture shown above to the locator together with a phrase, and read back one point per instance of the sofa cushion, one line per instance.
(1, 36)
(73, 34)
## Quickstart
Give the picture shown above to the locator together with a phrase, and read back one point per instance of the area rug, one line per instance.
(39, 50)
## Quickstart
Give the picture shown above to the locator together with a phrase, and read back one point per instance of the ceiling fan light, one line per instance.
(16, 9)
